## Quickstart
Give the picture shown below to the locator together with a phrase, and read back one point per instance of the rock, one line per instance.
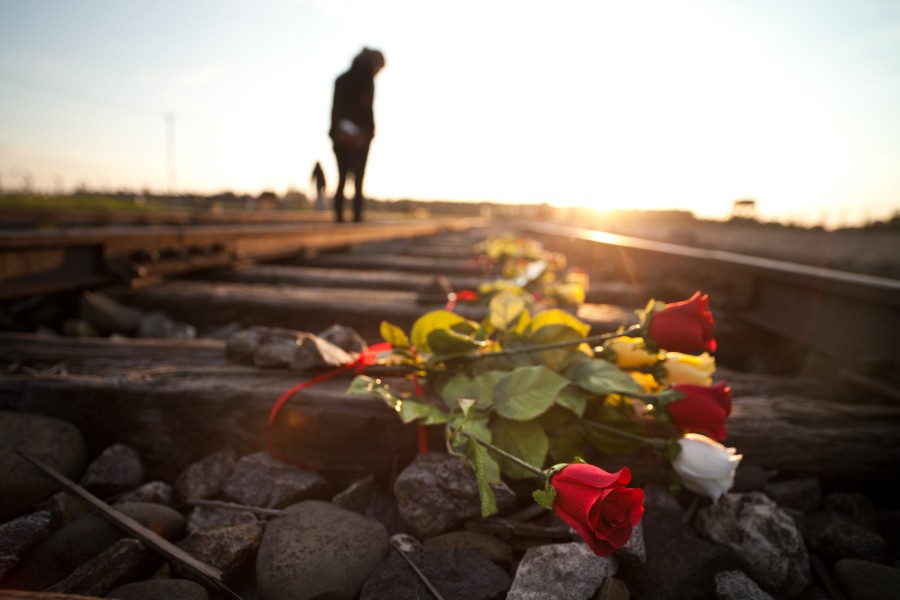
(857, 507)
(678, 564)
(803, 494)
(406, 543)
(55, 442)
(612, 589)
(864, 580)
(264, 481)
(357, 496)
(158, 492)
(229, 548)
(212, 517)
(833, 536)
(635, 550)
(79, 541)
(79, 328)
(436, 492)
(560, 572)
(157, 324)
(107, 315)
(278, 346)
(64, 507)
(314, 352)
(118, 468)
(318, 550)
(160, 589)
(20, 535)
(206, 478)
(345, 338)
(737, 585)
(889, 525)
(486, 545)
(454, 572)
(123, 562)
(765, 537)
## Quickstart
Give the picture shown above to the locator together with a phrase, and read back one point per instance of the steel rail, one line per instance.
(852, 317)
(34, 262)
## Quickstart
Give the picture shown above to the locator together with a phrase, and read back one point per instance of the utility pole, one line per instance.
(170, 149)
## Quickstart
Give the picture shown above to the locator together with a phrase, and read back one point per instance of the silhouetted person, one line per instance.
(318, 176)
(353, 126)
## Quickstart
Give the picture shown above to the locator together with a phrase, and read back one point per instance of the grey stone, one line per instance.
(229, 548)
(64, 507)
(118, 468)
(158, 492)
(318, 550)
(206, 477)
(212, 517)
(357, 496)
(160, 589)
(107, 315)
(454, 572)
(613, 589)
(122, 562)
(864, 580)
(737, 585)
(833, 536)
(803, 494)
(857, 507)
(406, 542)
(314, 352)
(560, 572)
(278, 346)
(264, 481)
(157, 324)
(635, 550)
(678, 564)
(76, 543)
(345, 338)
(436, 492)
(20, 535)
(54, 442)
(486, 545)
(765, 537)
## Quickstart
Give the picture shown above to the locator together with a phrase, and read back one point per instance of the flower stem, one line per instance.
(656, 443)
(593, 339)
(527, 466)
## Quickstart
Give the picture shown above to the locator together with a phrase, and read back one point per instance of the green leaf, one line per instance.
(394, 335)
(552, 334)
(458, 386)
(485, 384)
(523, 439)
(602, 378)
(478, 456)
(505, 308)
(408, 410)
(438, 319)
(555, 316)
(447, 343)
(617, 418)
(527, 392)
(573, 398)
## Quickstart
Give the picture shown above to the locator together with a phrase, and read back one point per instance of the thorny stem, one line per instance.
(655, 443)
(593, 339)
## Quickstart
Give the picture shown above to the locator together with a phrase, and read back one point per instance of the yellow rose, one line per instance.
(646, 381)
(630, 352)
(681, 368)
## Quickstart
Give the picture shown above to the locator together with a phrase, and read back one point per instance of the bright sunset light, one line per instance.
(683, 104)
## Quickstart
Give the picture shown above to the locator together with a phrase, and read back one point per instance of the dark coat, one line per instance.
(354, 95)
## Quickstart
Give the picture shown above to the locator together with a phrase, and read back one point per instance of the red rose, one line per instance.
(703, 408)
(685, 326)
(597, 505)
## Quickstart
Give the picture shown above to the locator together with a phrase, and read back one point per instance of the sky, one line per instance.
(659, 104)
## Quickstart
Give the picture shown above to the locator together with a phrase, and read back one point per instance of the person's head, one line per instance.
(373, 58)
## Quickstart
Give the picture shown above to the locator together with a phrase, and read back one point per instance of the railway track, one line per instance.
(175, 400)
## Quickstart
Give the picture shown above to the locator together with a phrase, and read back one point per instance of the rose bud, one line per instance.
(706, 466)
(703, 408)
(597, 505)
(685, 326)
(686, 368)
(628, 352)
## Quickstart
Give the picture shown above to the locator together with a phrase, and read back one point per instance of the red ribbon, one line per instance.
(365, 358)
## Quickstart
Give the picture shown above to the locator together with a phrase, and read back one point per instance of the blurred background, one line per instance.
(659, 105)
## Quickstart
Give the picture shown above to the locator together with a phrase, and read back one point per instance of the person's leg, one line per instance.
(360, 171)
(343, 165)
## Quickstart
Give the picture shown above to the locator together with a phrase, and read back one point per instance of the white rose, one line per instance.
(706, 466)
